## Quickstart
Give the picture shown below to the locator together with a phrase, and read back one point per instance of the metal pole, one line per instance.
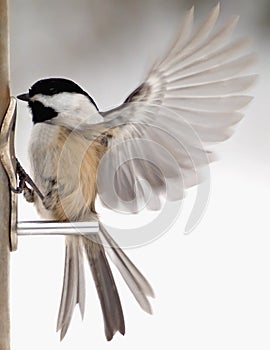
(4, 187)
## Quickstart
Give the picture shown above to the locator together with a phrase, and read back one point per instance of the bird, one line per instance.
(163, 133)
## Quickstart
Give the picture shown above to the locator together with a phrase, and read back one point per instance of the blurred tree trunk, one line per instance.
(4, 187)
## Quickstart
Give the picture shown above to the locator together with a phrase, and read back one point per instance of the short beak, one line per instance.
(23, 97)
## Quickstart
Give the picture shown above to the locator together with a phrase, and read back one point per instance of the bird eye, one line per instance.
(52, 90)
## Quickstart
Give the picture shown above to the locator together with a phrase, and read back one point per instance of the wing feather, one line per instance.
(213, 44)
(191, 98)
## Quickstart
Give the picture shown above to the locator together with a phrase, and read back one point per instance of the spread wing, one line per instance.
(158, 139)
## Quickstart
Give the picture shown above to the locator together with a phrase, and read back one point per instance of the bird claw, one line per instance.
(28, 194)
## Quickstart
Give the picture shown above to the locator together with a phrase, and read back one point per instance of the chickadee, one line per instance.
(192, 97)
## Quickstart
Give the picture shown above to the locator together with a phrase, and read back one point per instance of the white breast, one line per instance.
(41, 158)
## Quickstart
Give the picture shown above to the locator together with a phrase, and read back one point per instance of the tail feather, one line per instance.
(105, 285)
(73, 290)
(136, 282)
(81, 284)
(74, 282)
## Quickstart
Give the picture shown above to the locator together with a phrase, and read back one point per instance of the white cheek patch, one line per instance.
(72, 108)
(63, 101)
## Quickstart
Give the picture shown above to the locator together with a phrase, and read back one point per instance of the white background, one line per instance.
(213, 286)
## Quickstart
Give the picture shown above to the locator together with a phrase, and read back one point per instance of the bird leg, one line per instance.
(51, 198)
(23, 188)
